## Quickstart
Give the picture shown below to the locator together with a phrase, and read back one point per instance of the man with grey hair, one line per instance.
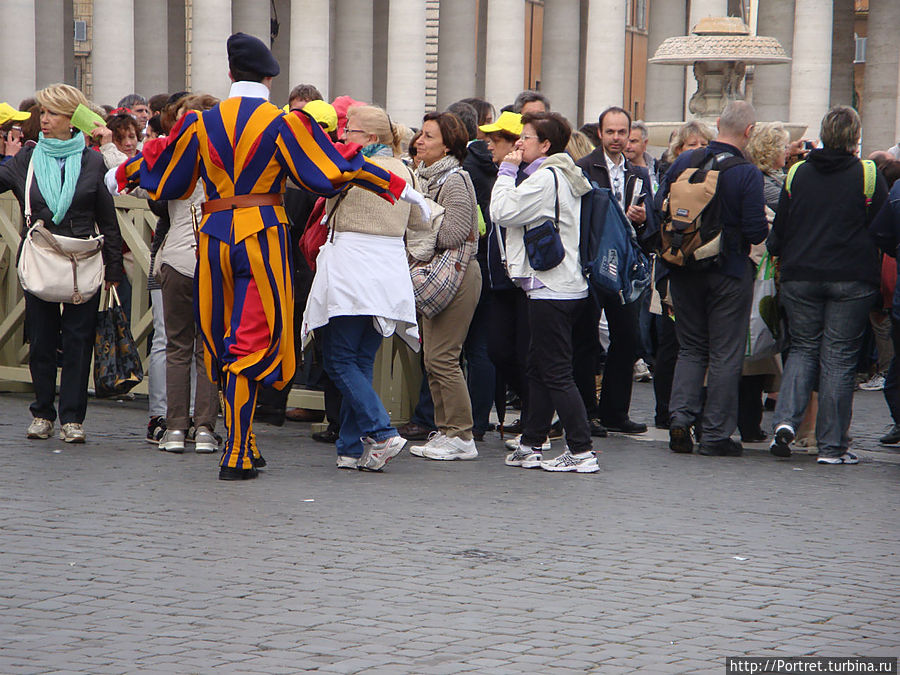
(636, 152)
(712, 302)
(530, 101)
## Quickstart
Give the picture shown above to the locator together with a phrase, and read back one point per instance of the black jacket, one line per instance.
(481, 169)
(820, 230)
(594, 165)
(91, 204)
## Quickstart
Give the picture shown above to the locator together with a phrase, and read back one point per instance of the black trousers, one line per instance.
(618, 375)
(664, 370)
(750, 404)
(72, 328)
(550, 377)
(586, 356)
(509, 336)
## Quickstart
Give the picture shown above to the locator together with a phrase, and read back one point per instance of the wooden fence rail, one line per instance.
(397, 371)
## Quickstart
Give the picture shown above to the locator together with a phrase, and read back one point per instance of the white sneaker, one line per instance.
(40, 428)
(875, 383)
(205, 440)
(452, 448)
(513, 444)
(846, 458)
(347, 462)
(642, 371)
(435, 439)
(172, 441)
(376, 455)
(72, 432)
(583, 462)
(527, 458)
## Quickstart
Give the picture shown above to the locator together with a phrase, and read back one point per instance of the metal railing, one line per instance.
(397, 372)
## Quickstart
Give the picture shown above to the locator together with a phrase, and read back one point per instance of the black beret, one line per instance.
(249, 54)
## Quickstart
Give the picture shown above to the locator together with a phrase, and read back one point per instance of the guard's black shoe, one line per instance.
(757, 436)
(230, 473)
(892, 437)
(327, 436)
(258, 462)
(724, 448)
(680, 439)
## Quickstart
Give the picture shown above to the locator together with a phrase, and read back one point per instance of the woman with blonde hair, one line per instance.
(688, 136)
(69, 196)
(767, 149)
(362, 293)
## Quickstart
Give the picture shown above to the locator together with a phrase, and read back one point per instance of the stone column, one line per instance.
(311, 44)
(559, 57)
(353, 49)
(209, 56)
(604, 77)
(252, 17)
(151, 48)
(843, 49)
(50, 43)
(406, 61)
(457, 48)
(665, 84)
(699, 10)
(177, 44)
(772, 83)
(112, 57)
(504, 69)
(811, 65)
(17, 50)
(881, 93)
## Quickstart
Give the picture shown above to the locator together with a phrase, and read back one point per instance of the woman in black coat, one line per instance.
(70, 204)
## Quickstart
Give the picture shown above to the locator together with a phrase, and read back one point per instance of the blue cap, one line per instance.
(249, 54)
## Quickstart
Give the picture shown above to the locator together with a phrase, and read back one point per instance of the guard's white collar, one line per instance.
(249, 89)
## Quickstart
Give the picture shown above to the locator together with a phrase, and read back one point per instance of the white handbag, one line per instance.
(56, 268)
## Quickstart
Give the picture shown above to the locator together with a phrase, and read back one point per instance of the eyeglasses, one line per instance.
(356, 131)
(525, 137)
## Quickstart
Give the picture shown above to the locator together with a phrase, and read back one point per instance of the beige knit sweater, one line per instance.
(366, 212)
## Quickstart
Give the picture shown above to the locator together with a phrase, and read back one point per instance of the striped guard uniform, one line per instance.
(244, 296)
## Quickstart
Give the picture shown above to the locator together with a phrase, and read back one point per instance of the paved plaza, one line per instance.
(118, 558)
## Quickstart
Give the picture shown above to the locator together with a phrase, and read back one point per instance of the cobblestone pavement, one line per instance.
(118, 558)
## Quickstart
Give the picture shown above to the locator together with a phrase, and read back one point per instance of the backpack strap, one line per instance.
(790, 176)
(556, 206)
(869, 176)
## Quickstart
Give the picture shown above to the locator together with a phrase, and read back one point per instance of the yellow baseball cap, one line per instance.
(508, 122)
(323, 113)
(7, 113)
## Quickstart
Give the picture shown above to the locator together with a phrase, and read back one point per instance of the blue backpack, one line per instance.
(611, 259)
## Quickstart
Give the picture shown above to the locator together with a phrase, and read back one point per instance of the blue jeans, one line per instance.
(349, 346)
(827, 320)
(480, 376)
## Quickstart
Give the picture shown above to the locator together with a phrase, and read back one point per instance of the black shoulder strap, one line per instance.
(556, 192)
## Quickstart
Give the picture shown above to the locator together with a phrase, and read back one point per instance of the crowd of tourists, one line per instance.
(289, 245)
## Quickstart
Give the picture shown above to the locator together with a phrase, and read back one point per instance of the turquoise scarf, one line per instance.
(58, 193)
(377, 150)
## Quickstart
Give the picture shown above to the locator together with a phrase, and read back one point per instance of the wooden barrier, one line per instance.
(397, 372)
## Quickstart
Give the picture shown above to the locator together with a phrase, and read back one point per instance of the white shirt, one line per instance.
(249, 89)
(617, 178)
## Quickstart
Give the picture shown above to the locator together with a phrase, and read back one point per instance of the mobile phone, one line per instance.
(638, 200)
(808, 145)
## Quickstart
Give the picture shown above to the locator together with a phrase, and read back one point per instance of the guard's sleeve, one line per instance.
(315, 163)
(167, 168)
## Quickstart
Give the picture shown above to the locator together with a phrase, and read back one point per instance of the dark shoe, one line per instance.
(661, 424)
(156, 427)
(304, 415)
(478, 435)
(757, 436)
(680, 439)
(327, 436)
(556, 430)
(626, 427)
(892, 437)
(229, 473)
(597, 429)
(258, 462)
(781, 444)
(724, 448)
(411, 432)
(514, 428)
(769, 404)
(269, 415)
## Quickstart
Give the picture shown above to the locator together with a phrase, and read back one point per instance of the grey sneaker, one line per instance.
(376, 455)
(347, 462)
(205, 441)
(72, 432)
(40, 428)
(172, 441)
(527, 458)
(583, 462)
(846, 458)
